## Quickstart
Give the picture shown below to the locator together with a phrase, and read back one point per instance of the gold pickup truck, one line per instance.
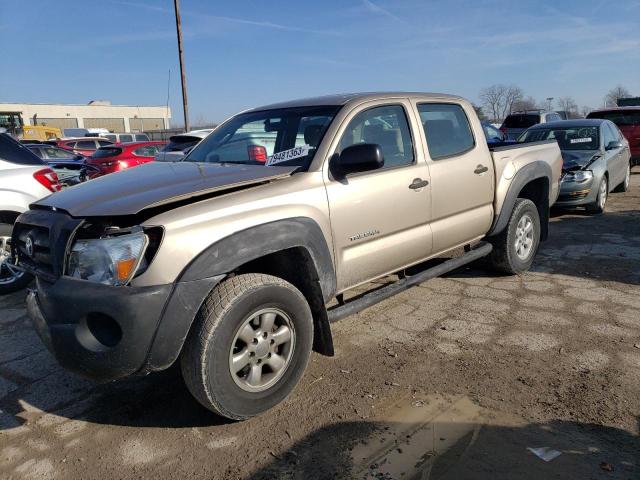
(235, 261)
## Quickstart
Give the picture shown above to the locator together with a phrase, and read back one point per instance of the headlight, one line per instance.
(578, 176)
(112, 261)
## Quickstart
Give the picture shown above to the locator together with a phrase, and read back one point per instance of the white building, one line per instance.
(96, 114)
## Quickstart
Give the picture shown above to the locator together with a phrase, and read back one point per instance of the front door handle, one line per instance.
(418, 183)
(480, 169)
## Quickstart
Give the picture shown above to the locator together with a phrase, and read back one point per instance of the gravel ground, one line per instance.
(453, 379)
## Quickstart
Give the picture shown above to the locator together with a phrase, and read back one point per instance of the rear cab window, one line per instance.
(126, 138)
(446, 128)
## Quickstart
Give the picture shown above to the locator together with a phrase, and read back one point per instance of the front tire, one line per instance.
(601, 199)
(248, 346)
(516, 246)
(11, 279)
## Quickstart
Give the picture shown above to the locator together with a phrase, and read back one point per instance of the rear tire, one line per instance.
(601, 200)
(236, 361)
(11, 279)
(515, 248)
(624, 186)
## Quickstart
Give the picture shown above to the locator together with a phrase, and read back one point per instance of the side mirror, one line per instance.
(613, 144)
(361, 157)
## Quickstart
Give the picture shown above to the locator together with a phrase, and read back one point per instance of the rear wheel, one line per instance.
(515, 247)
(249, 345)
(11, 278)
(624, 186)
(601, 199)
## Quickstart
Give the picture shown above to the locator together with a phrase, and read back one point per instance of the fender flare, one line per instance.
(212, 265)
(526, 174)
(246, 245)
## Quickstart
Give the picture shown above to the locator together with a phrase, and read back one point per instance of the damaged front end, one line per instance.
(577, 176)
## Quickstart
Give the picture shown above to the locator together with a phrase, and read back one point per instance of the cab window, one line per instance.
(386, 126)
(446, 128)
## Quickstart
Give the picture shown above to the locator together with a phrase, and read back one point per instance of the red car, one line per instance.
(114, 158)
(83, 145)
(628, 121)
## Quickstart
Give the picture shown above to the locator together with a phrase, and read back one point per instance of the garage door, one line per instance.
(60, 123)
(111, 124)
(146, 124)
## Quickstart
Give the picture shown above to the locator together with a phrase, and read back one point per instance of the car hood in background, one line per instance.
(155, 184)
(576, 159)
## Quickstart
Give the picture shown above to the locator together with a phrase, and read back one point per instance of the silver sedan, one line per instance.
(596, 157)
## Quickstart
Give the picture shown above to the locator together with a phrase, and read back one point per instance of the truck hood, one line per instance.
(578, 159)
(155, 184)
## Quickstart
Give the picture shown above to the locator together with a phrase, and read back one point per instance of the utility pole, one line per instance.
(185, 107)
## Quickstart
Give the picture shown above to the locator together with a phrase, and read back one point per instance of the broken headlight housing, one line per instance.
(109, 260)
(578, 176)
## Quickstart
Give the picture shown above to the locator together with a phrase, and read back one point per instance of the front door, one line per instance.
(379, 219)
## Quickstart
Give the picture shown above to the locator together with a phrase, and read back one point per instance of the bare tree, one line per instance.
(584, 110)
(528, 103)
(612, 97)
(499, 100)
(569, 105)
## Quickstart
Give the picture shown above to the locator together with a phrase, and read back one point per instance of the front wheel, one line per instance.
(515, 247)
(11, 278)
(601, 199)
(248, 346)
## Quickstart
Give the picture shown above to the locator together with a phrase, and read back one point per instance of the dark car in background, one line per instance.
(517, 122)
(113, 158)
(83, 145)
(627, 119)
(595, 156)
(69, 166)
(181, 144)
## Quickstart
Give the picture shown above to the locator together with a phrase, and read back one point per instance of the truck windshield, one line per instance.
(575, 138)
(285, 137)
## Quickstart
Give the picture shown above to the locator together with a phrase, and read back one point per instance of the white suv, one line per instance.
(24, 178)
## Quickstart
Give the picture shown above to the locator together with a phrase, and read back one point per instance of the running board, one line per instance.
(480, 250)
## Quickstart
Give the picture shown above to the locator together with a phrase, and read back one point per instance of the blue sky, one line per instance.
(243, 54)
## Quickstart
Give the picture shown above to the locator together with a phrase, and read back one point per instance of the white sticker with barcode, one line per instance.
(581, 140)
(291, 154)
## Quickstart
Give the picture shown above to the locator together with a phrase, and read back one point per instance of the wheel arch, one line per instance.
(531, 182)
(294, 249)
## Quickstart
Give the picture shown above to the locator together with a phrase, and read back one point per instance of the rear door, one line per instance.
(462, 174)
(380, 218)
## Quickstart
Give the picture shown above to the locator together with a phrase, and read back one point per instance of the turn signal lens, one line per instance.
(124, 269)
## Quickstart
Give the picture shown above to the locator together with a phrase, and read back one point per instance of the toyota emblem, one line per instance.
(28, 246)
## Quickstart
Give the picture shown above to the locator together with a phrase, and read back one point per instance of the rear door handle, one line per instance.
(418, 183)
(480, 169)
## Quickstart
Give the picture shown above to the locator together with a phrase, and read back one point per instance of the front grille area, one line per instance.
(39, 241)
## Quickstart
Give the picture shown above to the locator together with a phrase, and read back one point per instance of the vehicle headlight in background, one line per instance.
(111, 261)
(578, 176)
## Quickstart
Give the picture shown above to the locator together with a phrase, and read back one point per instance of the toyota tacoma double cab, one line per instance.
(235, 265)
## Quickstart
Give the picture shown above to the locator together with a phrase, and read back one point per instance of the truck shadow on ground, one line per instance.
(478, 451)
(597, 247)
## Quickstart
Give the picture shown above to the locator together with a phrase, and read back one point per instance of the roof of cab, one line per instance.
(345, 98)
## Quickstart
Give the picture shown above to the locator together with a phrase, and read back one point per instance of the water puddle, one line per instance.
(416, 434)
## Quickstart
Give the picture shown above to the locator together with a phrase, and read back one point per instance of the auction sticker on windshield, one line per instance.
(291, 154)
(581, 140)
